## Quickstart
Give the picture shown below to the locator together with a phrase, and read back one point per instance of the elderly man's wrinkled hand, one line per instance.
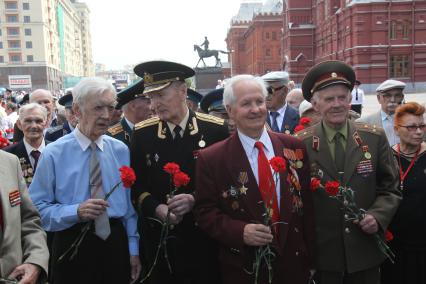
(91, 209)
(27, 273)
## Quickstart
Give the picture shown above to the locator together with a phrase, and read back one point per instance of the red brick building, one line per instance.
(380, 39)
(255, 38)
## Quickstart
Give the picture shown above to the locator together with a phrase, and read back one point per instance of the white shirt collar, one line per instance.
(182, 124)
(248, 142)
(85, 142)
(281, 110)
(30, 148)
(384, 115)
(131, 125)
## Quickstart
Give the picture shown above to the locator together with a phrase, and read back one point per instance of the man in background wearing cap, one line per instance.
(56, 132)
(193, 98)
(176, 135)
(390, 95)
(212, 103)
(357, 98)
(136, 108)
(357, 156)
(281, 117)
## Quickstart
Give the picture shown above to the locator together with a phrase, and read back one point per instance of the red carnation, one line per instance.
(315, 184)
(388, 236)
(127, 176)
(332, 188)
(3, 142)
(278, 164)
(180, 179)
(298, 128)
(171, 168)
(304, 120)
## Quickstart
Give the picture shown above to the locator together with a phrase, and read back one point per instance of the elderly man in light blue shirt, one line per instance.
(73, 176)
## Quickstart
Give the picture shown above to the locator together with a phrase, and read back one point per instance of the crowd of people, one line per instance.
(255, 182)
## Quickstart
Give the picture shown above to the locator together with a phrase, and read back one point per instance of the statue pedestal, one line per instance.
(206, 78)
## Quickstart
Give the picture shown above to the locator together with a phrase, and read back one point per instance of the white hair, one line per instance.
(228, 93)
(32, 106)
(89, 87)
(42, 91)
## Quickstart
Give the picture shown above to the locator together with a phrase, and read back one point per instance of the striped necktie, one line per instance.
(102, 228)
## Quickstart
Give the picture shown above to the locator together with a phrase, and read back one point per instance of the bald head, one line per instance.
(44, 98)
(295, 98)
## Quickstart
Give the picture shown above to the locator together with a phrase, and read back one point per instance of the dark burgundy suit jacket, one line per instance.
(218, 168)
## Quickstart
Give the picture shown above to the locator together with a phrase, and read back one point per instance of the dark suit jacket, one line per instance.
(151, 148)
(290, 121)
(218, 168)
(56, 132)
(121, 131)
(343, 246)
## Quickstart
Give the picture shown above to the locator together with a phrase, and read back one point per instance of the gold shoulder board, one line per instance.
(115, 129)
(209, 118)
(304, 133)
(371, 128)
(147, 122)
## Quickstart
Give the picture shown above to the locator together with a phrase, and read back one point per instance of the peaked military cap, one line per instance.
(326, 74)
(194, 96)
(213, 101)
(276, 76)
(130, 93)
(389, 85)
(158, 75)
(66, 100)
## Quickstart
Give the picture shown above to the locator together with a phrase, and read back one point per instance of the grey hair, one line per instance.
(228, 93)
(91, 86)
(31, 96)
(32, 106)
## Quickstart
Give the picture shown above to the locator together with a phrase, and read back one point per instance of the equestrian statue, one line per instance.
(206, 52)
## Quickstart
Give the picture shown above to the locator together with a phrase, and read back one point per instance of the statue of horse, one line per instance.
(208, 53)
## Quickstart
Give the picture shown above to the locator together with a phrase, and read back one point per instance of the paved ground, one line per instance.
(371, 104)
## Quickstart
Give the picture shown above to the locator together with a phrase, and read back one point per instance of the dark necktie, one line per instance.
(274, 123)
(339, 153)
(356, 94)
(176, 131)
(267, 183)
(102, 227)
(35, 154)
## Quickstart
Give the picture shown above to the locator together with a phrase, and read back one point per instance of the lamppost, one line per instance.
(230, 54)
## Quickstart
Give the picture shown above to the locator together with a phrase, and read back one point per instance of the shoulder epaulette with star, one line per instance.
(362, 126)
(115, 129)
(209, 118)
(54, 129)
(304, 133)
(147, 122)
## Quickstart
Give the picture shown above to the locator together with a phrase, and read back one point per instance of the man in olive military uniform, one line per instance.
(176, 135)
(357, 156)
(136, 108)
(56, 132)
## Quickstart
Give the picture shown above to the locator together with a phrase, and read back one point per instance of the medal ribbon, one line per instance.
(402, 175)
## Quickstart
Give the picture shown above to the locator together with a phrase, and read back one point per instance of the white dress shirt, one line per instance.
(252, 154)
(182, 125)
(280, 117)
(30, 148)
(387, 123)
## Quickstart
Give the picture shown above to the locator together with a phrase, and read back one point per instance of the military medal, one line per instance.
(315, 143)
(287, 131)
(299, 157)
(243, 179)
(156, 157)
(367, 154)
(30, 170)
(148, 160)
(202, 143)
(15, 198)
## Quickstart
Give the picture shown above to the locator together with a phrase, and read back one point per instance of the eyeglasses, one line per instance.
(396, 96)
(272, 90)
(413, 128)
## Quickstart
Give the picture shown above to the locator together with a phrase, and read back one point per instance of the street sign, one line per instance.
(20, 82)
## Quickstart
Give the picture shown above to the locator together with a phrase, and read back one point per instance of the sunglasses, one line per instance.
(395, 96)
(272, 90)
(413, 128)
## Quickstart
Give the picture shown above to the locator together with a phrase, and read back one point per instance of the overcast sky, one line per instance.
(132, 31)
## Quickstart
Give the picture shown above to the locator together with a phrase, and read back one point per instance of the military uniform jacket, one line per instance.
(56, 132)
(121, 131)
(343, 245)
(151, 148)
(22, 239)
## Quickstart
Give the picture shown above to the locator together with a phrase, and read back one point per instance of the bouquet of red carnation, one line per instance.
(346, 196)
(3, 142)
(303, 122)
(177, 180)
(128, 178)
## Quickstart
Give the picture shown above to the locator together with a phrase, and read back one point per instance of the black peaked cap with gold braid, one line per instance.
(130, 93)
(158, 75)
(326, 74)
